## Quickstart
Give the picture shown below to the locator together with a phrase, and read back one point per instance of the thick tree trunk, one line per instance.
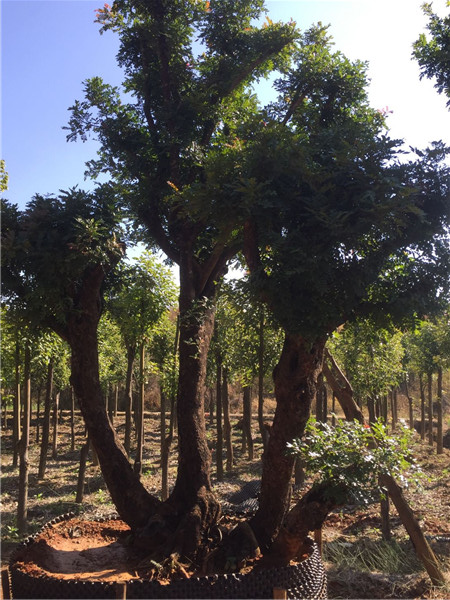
(226, 422)
(46, 423)
(295, 379)
(307, 515)
(133, 503)
(22, 502)
(192, 497)
(341, 388)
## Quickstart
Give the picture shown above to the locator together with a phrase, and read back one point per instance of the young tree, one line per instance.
(144, 292)
(372, 359)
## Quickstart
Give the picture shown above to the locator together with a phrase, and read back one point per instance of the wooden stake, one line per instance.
(279, 594)
(318, 539)
(121, 590)
(423, 549)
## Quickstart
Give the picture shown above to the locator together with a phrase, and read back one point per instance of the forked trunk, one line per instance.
(295, 379)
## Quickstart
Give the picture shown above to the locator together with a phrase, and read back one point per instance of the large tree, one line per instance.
(188, 66)
(338, 227)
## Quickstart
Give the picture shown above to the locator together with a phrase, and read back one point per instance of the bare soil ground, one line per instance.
(359, 563)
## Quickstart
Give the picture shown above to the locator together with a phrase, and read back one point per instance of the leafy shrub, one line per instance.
(351, 457)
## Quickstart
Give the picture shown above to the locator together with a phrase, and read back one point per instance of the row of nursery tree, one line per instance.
(332, 220)
(140, 318)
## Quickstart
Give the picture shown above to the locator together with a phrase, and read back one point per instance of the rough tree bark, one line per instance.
(295, 378)
(134, 504)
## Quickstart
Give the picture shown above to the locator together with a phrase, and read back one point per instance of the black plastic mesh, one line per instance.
(306, 580)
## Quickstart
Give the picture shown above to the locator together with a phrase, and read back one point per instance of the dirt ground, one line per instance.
(359, 564)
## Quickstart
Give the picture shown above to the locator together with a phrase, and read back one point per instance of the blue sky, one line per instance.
(50, 46)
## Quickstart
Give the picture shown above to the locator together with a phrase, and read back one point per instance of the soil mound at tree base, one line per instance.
(74, 558)
(77, 549)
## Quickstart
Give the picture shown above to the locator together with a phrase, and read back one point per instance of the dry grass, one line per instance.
(359, 563)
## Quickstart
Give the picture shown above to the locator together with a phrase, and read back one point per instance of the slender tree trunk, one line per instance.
(131, 354)
(165, 453)
(219, 443)
(16, 407)
(226, 422)
(394, 408)
(140, 415)
(262, 429)
(22, 503)
(46, 423)
(440, 441)
(38, 413)
(371, 409)
(410, 404)
(82, 471)
(55, 427)
(295, 378)
(384, 410)
(116, 399)
(430, 408)
(341, 388)
(212, 401)
(422, 407)
(72, 419)
(247, 420)
(319, 403)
